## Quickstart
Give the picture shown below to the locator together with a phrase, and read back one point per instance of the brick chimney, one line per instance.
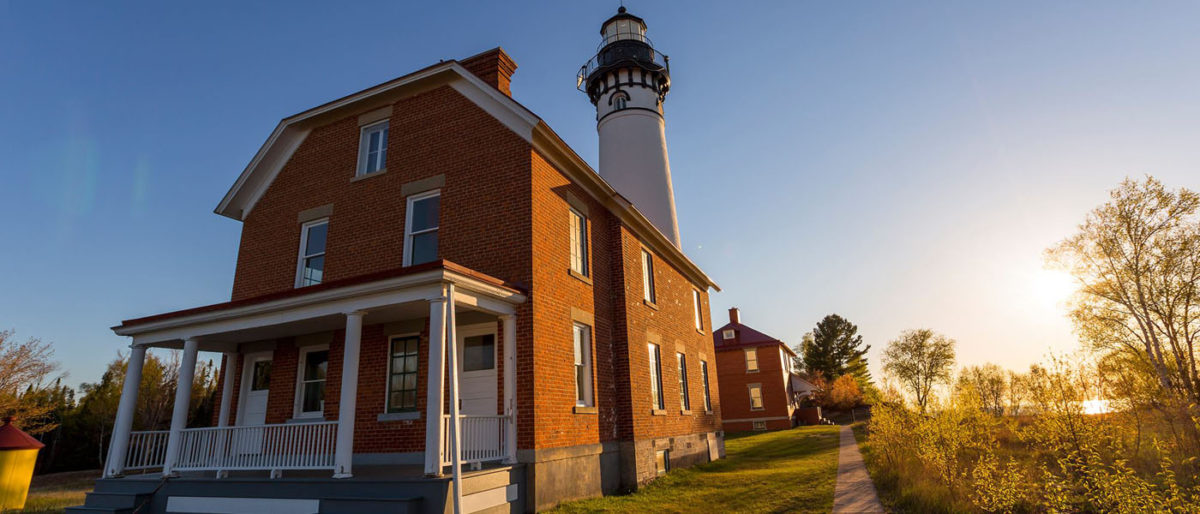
(734, 316)
(493, 66)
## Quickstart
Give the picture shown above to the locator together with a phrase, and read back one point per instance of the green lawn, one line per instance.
(788, 471)
(57, 491)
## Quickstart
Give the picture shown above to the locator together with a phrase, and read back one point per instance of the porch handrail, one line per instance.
(258, 447)
(147, 449)
(484, 438)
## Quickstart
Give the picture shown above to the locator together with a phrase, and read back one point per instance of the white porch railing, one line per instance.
(260, 447)
(484, 438)
(147, 450)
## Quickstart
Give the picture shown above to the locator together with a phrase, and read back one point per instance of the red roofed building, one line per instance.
(754, 371)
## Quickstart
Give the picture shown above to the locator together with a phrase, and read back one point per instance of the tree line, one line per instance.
(76, 425)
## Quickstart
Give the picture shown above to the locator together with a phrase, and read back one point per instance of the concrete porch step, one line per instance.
(96, 510)
(106, 500)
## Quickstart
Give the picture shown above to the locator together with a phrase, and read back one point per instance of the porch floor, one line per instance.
(373, 473)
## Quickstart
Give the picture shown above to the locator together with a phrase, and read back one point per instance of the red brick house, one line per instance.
(426, 214)
(756, 378)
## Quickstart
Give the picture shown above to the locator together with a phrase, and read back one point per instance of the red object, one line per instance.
(12, 438)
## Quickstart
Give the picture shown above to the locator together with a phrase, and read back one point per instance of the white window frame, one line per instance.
(750, 389)
(728, 334)
(685, 400)
(387, 386)
(581, 336)
(648, 293)
(704, 379)
(656, 385)
(302, 257)
(580, 260)
(696, 307)
(408, 233)
(298, 402)
(751, 356)
(364, 141)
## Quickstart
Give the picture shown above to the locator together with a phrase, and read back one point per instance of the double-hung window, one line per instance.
(583, 365)
(579, 242)
(372, 148)
(696, 308)
(314, 362)
(402, 374)
(656, 389)
(312, 252)
(704, 379)
(685, 403)
(648, 277)
(751, 360)
(421, 228)
(756, 400)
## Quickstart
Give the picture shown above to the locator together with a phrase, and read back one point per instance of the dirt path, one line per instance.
(855, 492)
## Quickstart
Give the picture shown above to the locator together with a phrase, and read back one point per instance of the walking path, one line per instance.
(855, 492)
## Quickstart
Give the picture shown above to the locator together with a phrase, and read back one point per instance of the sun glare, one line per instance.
(1053, 287)
(1096, 407)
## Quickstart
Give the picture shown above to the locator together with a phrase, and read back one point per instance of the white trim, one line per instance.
(408, 230)
(298, 397)
(649, 291)
(300, 264)
(685, 389)
(579, 242)
(364, 150)
(589, 394)
(728, 334)
(747, 352)
(697, 306)
(220, 505)
(408, 288)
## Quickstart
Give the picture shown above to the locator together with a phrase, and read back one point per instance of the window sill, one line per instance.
(365, 176)
(708, 413)
(583, 278)
(580, 409)
(658, 412)
(398, 416)
(758, 409)
(306, 419)
(752, 371)
(650, 304)
(700, 331)
(685, 412)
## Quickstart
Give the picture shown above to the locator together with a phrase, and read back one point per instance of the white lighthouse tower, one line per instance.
(627, 81)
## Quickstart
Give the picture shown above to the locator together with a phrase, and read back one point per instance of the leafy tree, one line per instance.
(24, 370)
(985, 386)
(836, 349)
(1137, 260)
(845, 394)
(919, 360)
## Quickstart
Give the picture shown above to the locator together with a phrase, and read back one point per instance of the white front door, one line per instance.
(252, 408)
(477, 369)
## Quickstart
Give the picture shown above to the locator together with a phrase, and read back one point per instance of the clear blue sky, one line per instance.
(900, 163)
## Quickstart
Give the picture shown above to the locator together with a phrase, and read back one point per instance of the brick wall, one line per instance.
(735, 395)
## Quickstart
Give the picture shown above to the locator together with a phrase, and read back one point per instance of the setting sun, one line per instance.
(1053, 287)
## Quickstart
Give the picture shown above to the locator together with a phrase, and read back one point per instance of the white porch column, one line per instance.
(436, 378)
(347, 403)
(119, 446)
(227, 388)
(455, 408)
(183, 398)
(510, 385)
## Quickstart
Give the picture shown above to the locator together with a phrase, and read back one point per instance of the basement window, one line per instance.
(662, 462)
(760, 425)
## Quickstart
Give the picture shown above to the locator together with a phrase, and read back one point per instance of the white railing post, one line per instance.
(436, 380)
(510, 386)
(230, 359)
(183, 397)
(347, 402)
(119, 446)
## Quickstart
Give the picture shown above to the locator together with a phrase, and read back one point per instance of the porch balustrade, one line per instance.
(147, 450)
(484, 438)
(237, 448)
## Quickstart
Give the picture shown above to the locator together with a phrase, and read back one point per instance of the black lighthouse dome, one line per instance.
(624, 46)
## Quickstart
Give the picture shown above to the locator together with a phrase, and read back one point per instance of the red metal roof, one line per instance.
(361, 279)
(746, 337)
(13, 438)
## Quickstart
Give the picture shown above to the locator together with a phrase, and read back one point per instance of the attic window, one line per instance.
(372, 148)
(727, 334)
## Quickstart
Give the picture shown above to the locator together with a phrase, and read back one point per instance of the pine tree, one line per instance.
(836, 349)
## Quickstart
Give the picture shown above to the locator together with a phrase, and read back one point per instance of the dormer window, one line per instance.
(728, 334)
(372, 148)
(312, 252)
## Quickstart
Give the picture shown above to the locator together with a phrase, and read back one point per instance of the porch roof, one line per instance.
(361, 292)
